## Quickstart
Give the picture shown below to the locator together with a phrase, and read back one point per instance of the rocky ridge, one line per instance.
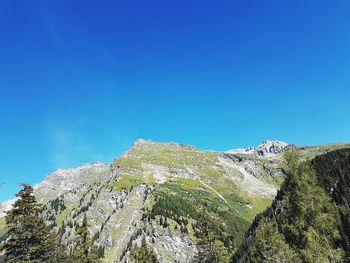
(121, 199)
(267, 149)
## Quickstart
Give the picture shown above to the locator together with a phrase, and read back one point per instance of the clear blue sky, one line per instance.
(81, 80)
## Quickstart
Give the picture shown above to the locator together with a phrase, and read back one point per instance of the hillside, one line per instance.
(160, 192)
(309, 218)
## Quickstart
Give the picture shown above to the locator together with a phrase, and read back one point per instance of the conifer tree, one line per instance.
(29, 239)
(143, 254)
(310, 221)
(211, 250)
(270, 246)
(84, 250)
(306, 226)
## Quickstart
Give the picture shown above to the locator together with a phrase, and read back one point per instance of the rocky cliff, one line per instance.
(153, 183)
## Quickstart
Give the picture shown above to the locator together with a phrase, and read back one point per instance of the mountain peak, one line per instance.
(268, 148)
(142, 141)
(271, 147)
(150, 144)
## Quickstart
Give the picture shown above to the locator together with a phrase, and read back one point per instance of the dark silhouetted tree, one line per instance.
(29, 238)
(84, 250)
(143, 254)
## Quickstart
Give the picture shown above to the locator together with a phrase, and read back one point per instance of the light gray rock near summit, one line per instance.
(267, 149)
(116, 196)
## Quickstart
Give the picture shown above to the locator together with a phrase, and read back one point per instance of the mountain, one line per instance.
(158, 192)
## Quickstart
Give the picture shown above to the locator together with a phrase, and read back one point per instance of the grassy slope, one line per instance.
(186, 197)
(236, 213)
(309, 152)
(203, 164)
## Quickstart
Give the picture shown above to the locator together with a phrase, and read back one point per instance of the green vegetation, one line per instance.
(143, 254)
(174, 207)
(194, 197)
(28, 238)
(310, 152)
(212, 173)
(84, 250)
(211, 249)
(181, 200)
(128, 181)
(333, 172)
(185, 205)
(270, 246)
(310, 223)
(303, 224)
(163, 154)
(217, 228)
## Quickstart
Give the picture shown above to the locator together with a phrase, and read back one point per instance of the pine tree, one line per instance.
(143, 254)
(211, 250)
(100, 252)
(306, 228)
(310, 221)
(84, 250)
(165, 223)
(270, 246)
(29, 239)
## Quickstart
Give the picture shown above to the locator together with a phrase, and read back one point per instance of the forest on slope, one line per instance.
(309, 218)
(184, 220)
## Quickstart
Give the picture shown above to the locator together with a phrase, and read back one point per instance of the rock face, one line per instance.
(62, 181)
(5, 206)
(267, 149)
(153, 183)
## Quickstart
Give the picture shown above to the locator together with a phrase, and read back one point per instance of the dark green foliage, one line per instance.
(165, 223)
(96, 236)
(310, 222)
(57, 204)
(270, 246)
(84, 250)
(29, 239)
(62, 230)
(184, 229)
(333, 172)
(143, 254)
(302, 225)
(174, 207)
(211, 249)
(100, 252)
(181, 205)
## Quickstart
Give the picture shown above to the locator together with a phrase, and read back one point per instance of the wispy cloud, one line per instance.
(67, 146)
